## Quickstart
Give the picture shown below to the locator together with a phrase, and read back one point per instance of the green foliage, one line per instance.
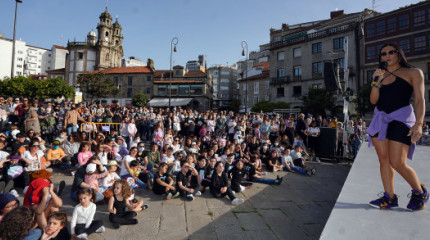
(266, 106)
(21, 86)
(140, 99)
(235, 105)
(318, 100)
(362, 101)
(97, 86)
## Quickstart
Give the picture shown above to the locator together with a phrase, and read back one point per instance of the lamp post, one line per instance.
(245, 47)
(173, 44)
(14, 37)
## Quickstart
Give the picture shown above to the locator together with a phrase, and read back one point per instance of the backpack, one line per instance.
(34, 191)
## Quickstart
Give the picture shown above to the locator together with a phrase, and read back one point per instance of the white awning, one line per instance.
(164, 102)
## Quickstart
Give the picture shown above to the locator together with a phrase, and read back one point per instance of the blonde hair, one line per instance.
(125, 188)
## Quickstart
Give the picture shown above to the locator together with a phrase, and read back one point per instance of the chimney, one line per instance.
(335, 14)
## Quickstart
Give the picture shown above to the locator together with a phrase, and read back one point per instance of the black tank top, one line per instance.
(119, 205)
(394, 96)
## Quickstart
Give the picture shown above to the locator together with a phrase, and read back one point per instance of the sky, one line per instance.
(214, 28)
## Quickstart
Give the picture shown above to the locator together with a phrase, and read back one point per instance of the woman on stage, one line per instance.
(394, 128)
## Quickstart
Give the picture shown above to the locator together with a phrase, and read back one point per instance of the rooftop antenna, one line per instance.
(375, 4)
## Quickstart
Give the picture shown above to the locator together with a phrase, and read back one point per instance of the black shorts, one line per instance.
(398, 132)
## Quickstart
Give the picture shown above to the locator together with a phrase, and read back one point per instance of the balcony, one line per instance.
(280, 80)
(297, 78)
(317, 75)
(303, 37)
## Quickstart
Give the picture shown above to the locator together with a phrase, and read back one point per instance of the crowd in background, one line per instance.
(112, 150)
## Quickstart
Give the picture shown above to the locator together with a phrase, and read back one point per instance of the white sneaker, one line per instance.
(190, 197)
(14, 193)
(73, 173)
(198, 193)
(237, 201)
(317, 159)
(234, 193)
(100, 229)
(242, 188)
(82, 236)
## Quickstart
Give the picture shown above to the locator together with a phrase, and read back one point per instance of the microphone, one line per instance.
(382, 66)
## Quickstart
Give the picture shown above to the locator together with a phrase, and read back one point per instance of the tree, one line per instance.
(140, 99)
(97, 86)
(21, 86)
(235, 105)
(362, 101)
(266, 106)
(318, 100)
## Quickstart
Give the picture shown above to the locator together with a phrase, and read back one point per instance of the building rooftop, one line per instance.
(188, 74)
(122, 70)
(60, 47)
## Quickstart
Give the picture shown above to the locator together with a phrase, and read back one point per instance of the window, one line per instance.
(419, 43)
(371, 53)
(403, 22)
(341, 62)
(19, 66)
(174, 89)
(317, 47)
(280, 73)
(297, 71)
(115, 79)
(80, 55)
(148, 78)
(317, 86)
(277, 39)
(107, 34)
(370, 30)
(256, 87)
(244, 86)
(297, 52)
(267, 83)
(297, 91)
(225, 88)
(338, 43)
(225, 73)
(196, 89)
(380, 28)
(130, 80)
(369, 75)
(419, 18)
(184, 89)
(225, 80)
(161, 90)
(281, 56)
(256, 99)
(267, 98)
(215, 73)
(391, 25)
(317, 67)
(49, 55)
(280, 92)
(129, 92)
(405, 45)
(20, 59)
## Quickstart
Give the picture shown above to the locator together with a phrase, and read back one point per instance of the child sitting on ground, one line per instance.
(289, 166)
(55, 229)
(92, 177)
(119, 202)
(111, 176)
(83, 223)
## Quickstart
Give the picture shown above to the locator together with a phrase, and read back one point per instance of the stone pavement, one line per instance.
(297, 209)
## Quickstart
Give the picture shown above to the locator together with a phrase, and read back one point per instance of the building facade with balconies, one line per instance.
(189, 88)
(409, 28)
(255, 85)
(224, 82)
(298, 53)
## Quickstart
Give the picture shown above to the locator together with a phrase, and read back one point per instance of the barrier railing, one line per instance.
(98, 127)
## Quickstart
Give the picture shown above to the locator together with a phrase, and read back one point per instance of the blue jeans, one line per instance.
(71, 129)
(297, 169)
(357, 144)
(265, 180)
(139, 182)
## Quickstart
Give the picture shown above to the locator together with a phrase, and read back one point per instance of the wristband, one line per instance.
(376, 84)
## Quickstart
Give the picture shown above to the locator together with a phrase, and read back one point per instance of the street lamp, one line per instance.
(245, 46)
(14, 36)
(174, 42)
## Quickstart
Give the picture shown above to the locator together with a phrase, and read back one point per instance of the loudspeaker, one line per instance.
(330, 76)
(326, 144)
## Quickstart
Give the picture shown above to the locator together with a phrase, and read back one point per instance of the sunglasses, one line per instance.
(389, 53)
(36, 145)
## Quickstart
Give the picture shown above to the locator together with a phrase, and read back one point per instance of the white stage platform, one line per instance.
(352, 217)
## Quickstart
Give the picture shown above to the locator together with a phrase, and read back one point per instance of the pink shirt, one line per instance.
(93, 179)
(83, 157)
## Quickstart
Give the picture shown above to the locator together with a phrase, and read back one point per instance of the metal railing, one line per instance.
(98, 127)
(280, 80)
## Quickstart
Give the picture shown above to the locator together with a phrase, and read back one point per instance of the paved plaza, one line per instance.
(297, 209)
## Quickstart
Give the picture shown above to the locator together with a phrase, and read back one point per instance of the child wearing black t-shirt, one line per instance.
(237, 173)
(219, 185)
(183, 181)
(206, 182)
(253, 176)
(163, 182)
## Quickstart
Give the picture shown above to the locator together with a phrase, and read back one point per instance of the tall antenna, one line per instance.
(375, 4)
